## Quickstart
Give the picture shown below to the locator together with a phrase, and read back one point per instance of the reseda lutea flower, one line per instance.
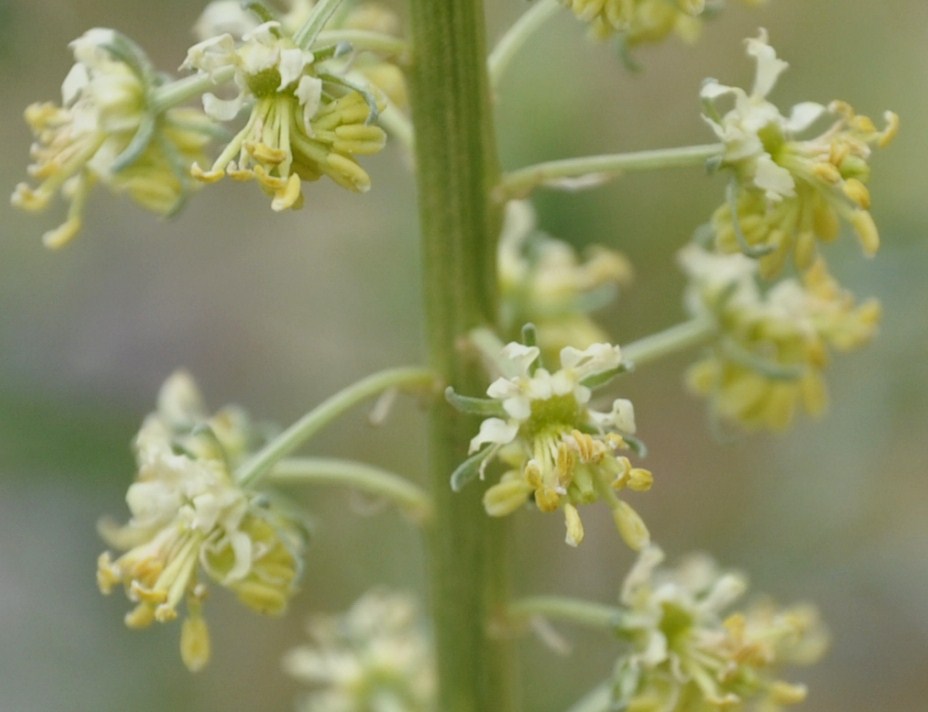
(108, 131)
(639, 20)
(688, 654)
(545, 282)
(644, 21)
(788, 192)
(190, 516)
(561, 453)
(373, 658)
(304, 121)
(772, 347)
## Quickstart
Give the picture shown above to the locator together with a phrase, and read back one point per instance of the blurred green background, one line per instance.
(277, 311)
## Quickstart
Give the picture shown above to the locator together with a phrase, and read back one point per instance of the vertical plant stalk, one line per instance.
(457, 168)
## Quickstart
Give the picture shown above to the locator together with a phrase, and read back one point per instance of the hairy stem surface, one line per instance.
(457, 168)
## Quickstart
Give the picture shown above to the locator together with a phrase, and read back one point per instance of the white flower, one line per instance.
(544, 281)
(562, 453)
(187, 513)
(772, 346)
(689, 653)
(373, 657)
(790, 192)
(106, 132)
(304, 121)
(740, 129)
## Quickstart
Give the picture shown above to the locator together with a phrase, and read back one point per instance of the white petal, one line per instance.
(623, 415)
(776, 181)
(223, 16)
(74, 83)
(640, 574)
(309, 93)
(712, 90)
(503, 388)
(519, 407)
(89, 47)
(769, 68)
(563, 383)
(803, 116)
(540, 386)
(222, 109)
(726, 591)
(211, 54)
(519, 357)
(595, 358)
(242, 549)
(493, 430)
(291, 64)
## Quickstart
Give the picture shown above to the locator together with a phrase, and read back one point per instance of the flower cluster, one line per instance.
(688, 654)
(788, 193)
(230, 17)
(109, 130)
(190, 515)
(544, 282)
(561, 453)
(373, 658)
(305, 121)
(644, 21)
(772, 346)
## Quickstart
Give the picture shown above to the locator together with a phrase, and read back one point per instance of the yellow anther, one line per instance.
(857, 191)
(194, 642)
(574, 525)
(866, 230)
(210, 176)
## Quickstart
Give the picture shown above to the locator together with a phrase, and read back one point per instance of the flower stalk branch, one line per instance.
(572, 610)
(664, 343)
(326, 412)
(182, 90)
(588, 171)
(358, 475)
(517, 35)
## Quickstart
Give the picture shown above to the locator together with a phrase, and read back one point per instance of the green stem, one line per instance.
(516, 36)
(358, 475)
(379, 42)
(676, 338)
(327, 411)
(182, 90)
(573, 610)
(596, 169)
(321, 13)
(456, 169)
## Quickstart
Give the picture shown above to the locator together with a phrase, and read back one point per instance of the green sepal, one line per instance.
(603, 377)
(140, 141)
(469, 469)
(636, 445)
(334, 51)
(485, 407)
(133, 56)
